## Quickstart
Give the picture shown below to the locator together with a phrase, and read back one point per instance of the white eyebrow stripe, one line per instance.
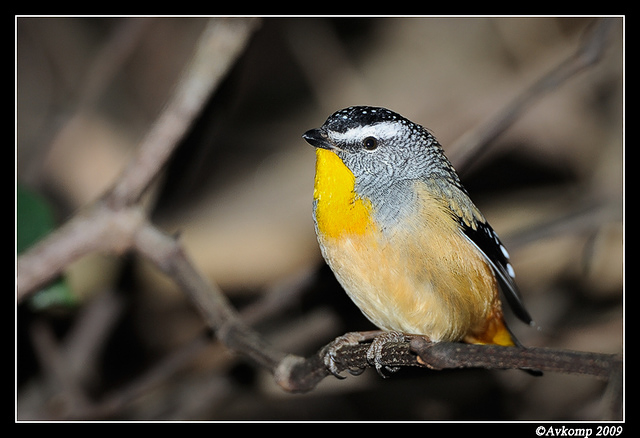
(379, 130)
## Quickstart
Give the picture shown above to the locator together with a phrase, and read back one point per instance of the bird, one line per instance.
(402, 235)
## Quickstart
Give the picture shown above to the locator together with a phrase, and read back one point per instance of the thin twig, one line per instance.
(221, 42)
(168, 255)
(157, 374)
(107, 225)
(71, 395)
(475, 141)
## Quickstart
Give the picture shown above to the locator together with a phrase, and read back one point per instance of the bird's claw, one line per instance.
(374, 354)
(331, 355)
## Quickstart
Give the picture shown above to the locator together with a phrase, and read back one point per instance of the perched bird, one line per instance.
(401, 234)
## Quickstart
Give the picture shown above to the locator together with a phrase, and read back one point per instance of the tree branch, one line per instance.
(168, 256)
(445, 355)
(222, 42)
(471, 144)
(97, 228)
(299, 375)
(107, 224)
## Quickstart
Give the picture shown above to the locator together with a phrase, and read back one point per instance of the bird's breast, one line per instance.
(417, 273)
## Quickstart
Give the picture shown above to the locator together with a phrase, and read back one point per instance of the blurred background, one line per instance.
(238, 191)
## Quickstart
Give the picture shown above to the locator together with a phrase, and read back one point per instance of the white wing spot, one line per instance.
(504, 251)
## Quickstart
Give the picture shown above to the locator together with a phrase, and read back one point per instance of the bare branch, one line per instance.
(97, 228)
(298, 374)
(107, 227)
(588, 53)
(454, 355)
(167, 254)
(220, 44)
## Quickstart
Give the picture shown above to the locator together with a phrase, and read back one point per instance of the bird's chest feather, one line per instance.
(413, 274)
(337, 210)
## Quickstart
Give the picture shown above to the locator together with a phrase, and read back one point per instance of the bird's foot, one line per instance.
(374, 354)
(379, 339)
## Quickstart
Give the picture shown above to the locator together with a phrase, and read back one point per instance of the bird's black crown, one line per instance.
(355, 116)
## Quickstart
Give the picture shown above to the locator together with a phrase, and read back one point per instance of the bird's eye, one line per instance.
(370, 143)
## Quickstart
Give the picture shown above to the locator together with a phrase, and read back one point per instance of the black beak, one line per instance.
(317, 138)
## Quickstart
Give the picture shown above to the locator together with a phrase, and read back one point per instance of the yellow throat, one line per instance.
(339, 210)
